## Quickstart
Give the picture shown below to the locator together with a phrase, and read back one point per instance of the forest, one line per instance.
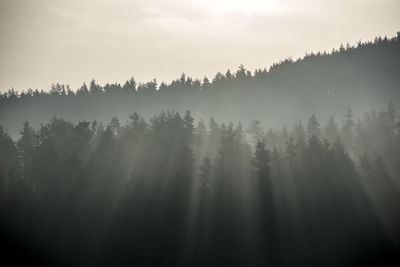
(297, 164)
(362, 76)
(172, 190)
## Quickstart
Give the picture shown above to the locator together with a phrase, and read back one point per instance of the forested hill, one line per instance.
(362, 76)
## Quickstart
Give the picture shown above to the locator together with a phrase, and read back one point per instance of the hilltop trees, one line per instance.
(321, 83)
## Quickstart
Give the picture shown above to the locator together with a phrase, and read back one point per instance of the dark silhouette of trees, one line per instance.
(8, 163)
(268, 219)
(321, 83)
(159, 187)
(205, 177)
(313, 127)
(163, 192)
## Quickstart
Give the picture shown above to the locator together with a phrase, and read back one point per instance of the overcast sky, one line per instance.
(45, 41)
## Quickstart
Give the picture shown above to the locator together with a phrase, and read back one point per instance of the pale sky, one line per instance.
(68, 41)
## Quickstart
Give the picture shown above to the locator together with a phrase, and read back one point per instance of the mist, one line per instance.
(292, 164)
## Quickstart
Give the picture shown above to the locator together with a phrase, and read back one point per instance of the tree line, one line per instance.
(349, 75)
(172, 191)
(131, 86)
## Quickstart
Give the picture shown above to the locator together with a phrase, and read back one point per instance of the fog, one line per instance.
(292, 164)
(48, 41)
(362, 77)
(166, 191)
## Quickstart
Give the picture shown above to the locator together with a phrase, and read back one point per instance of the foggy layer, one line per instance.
(74, 41)
(360, 77)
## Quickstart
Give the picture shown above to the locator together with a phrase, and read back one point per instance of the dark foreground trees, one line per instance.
(164, 192)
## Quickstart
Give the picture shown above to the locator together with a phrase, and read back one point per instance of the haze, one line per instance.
(70, 42)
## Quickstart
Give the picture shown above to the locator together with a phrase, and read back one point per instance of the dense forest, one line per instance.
(175, 191)
(364, 76)
(294, 165)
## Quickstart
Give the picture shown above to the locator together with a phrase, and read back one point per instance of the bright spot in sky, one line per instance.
(269, 7)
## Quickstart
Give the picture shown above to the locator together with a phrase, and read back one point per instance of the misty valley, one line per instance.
(297, 165)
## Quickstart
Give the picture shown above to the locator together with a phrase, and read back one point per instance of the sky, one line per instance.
(48, 41)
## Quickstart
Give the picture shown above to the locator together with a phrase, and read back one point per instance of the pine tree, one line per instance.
(205, 176)
(129, 86)
(313, 127)
(261, 161)
(94, 88)
(26, 148)
(8, 163)
(348, 131)
(256, 132)
(188, 127)
(200, 138)
(267, 204)
(214, 138)
(83, 90)
(332, 130)
(114, 126)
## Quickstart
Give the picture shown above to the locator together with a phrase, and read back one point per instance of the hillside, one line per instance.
(363, 76)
